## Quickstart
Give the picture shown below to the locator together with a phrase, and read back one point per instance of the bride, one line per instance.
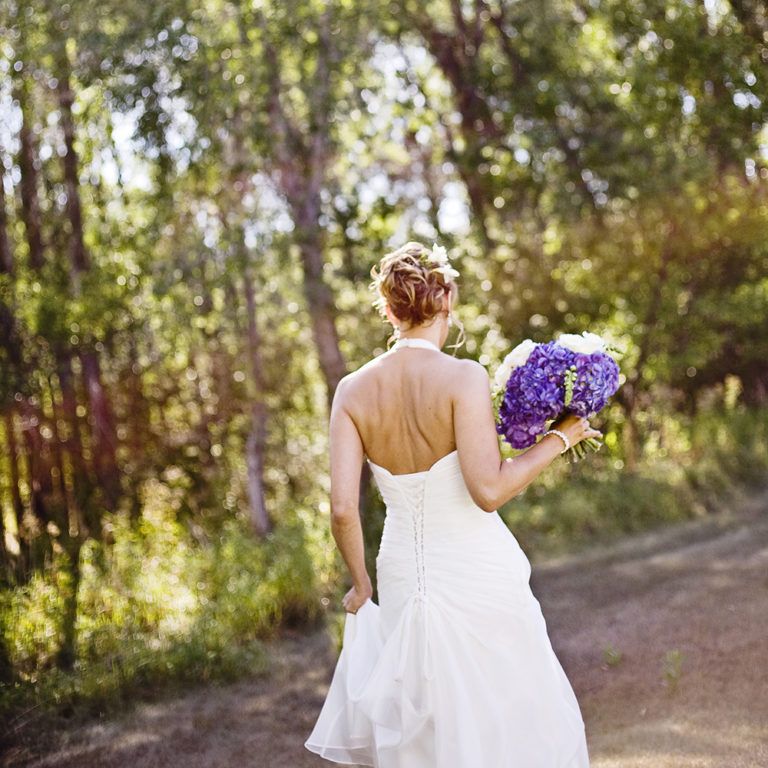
(454, 669)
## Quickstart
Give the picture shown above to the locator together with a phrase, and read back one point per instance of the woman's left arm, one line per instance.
(346, 463)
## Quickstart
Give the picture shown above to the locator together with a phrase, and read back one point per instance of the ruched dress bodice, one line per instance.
(455, 668)
(438, 544)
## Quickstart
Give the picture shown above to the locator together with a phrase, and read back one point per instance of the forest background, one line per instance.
(193, 195)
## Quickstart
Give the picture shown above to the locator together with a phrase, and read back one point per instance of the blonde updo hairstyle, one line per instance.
(409, 282)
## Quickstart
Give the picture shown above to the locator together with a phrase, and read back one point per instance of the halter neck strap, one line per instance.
(415, 344)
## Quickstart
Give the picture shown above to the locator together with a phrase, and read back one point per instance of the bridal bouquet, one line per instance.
(537, 383)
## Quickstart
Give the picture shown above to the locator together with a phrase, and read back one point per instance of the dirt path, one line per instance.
(687, 609)
(664, 637)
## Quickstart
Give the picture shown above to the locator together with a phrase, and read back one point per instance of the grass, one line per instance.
(672, 668)
(158, 609)
(690, 467)
(611, 656)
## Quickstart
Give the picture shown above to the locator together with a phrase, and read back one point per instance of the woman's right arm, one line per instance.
(346, 463)
(491, 480)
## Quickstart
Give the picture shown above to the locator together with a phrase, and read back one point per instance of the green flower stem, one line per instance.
(580, 450)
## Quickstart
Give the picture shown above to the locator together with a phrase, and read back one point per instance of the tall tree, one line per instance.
(301, 162)
(104, 438)
(257, 438)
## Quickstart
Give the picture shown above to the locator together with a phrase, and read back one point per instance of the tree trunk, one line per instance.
(13, 357)
(72, 442)
(38, 480)
(74, 476)
(254, 457)
(30, 203)
(103, 438)
(60, 499)
(6, 667)
(78, 253)
(139, 440)
(6, 259)
(302, 163)
(630, 440)
(66, 655)
(257, 439)
(7, 572)
(322, 312)
(17, 502)
(256, 442)
(478, 128)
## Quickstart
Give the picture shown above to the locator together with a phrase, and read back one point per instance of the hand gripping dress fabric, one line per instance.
(454, 669)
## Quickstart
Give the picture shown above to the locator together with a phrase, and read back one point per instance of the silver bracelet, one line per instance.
(565, 440)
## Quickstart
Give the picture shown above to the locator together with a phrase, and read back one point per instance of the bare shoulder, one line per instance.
(470, 373)
(470, 367)
(357, 380)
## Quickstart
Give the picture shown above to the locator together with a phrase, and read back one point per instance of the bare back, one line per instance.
(402, 405)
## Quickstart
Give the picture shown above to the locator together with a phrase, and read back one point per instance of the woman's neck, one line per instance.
(432, 338)
(435, 333)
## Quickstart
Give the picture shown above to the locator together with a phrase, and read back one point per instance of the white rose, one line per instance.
(517, 357)
(585, 344)
(520, 354)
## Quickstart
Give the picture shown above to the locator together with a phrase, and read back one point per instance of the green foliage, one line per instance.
(672, 668)
(611, 656)
(728, 450)
(679, 284)
(32, 616)
(155, 607)
(690, 466)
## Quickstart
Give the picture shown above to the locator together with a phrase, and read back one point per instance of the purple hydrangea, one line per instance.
(597, 378)
(535, 392)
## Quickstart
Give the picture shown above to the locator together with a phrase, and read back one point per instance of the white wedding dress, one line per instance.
(455, 669)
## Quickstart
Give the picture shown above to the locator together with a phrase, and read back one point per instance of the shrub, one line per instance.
(157, 607)
(690, 465)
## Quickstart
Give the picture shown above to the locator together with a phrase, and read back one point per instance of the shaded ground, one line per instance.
(664, 637)
(687, 609)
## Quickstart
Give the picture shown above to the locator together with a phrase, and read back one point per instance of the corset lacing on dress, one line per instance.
(418, 541)
(415, 503)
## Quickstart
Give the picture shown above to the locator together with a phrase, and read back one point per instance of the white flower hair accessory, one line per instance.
(439, 255)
